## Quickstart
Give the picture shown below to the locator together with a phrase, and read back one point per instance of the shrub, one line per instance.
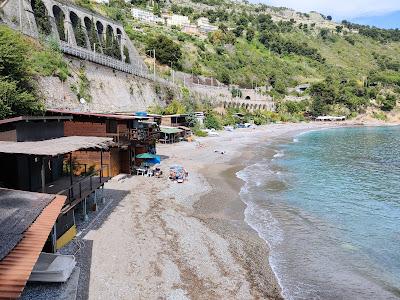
(379, 116)
(212, 121)
(199, 133)
(50, 62)
(175, 107)
(389, 102)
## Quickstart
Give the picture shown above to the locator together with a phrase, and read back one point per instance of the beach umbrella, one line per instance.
(146, 156)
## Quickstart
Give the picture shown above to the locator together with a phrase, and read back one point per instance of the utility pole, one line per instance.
(20, 13)
(173, 72)
(154, 64)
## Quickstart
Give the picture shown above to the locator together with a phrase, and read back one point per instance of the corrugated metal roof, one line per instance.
(98, 115)
(56, 146)
(170, 130)
(34, 118)
(17, 266)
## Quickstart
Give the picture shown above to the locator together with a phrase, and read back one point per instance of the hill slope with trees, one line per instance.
(356, 65)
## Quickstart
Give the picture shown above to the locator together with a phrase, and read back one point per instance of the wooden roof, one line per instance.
(34, 118)
(96, 115)
(56, 146)
(17, 266)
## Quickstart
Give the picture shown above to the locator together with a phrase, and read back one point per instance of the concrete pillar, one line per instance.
(85, 216)
(122, 42)
(26, 16)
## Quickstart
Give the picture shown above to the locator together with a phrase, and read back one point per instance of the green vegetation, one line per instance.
(21, 59)
(82, 89)
(167, 50)
(350, 67)
(251, 49)
(49, 61)
(17, 89)
(41, 16)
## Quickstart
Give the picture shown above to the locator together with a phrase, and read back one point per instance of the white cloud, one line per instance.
(338, 8)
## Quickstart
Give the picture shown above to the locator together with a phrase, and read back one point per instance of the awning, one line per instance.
(185, 128)
(17, 265)
(170, 130)
(57, 146)
(146, 156)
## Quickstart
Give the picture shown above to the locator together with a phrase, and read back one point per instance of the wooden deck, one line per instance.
(82, 187)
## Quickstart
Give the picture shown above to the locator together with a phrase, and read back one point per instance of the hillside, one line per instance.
(273, 48)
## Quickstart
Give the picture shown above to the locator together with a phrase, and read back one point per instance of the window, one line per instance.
(111, 126)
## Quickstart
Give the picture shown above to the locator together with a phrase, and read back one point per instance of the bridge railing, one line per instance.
(135, 69)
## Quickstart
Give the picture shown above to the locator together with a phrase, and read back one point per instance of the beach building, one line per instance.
(26, 226)
(200, 117)
(145, 16)
(170, 135)
(32, 128)
(174, 120)
(48, 166)
(132, 135)
(204, 26)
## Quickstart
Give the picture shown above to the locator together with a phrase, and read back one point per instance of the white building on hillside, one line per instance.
(145, 16)
(176, 20)
(190, 29)
(204, 25)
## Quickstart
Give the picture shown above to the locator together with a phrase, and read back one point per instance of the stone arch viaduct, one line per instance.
(81, 32)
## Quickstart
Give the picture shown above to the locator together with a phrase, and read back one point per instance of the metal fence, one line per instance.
(136, 68)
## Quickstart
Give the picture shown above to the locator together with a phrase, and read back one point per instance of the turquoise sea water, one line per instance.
(328, 204)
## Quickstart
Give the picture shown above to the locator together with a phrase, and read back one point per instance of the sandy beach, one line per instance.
(165, 240)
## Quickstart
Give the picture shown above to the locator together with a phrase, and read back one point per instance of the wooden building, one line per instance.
(174, 120)
(132, 135)
(32, 128)
(47, 166)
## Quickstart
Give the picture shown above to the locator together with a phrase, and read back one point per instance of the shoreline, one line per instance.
(169, 240)
(232, 224)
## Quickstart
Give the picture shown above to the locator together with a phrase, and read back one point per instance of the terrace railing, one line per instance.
(125, 137)
(84, 186)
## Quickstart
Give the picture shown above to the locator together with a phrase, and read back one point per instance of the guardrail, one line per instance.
(135, 69)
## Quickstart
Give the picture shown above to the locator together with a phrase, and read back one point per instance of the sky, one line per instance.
(347, 9)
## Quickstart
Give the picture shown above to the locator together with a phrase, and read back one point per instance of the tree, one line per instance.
(389, 102)
(212, 121)
(250, 34)
(238, 31)
(175, 107)
(166, 49)
(79, 35)
(157, 10)
(126, 54)
(329, 18)
(60, 26)
(17, 93)
(324, 33)
(41, 17)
